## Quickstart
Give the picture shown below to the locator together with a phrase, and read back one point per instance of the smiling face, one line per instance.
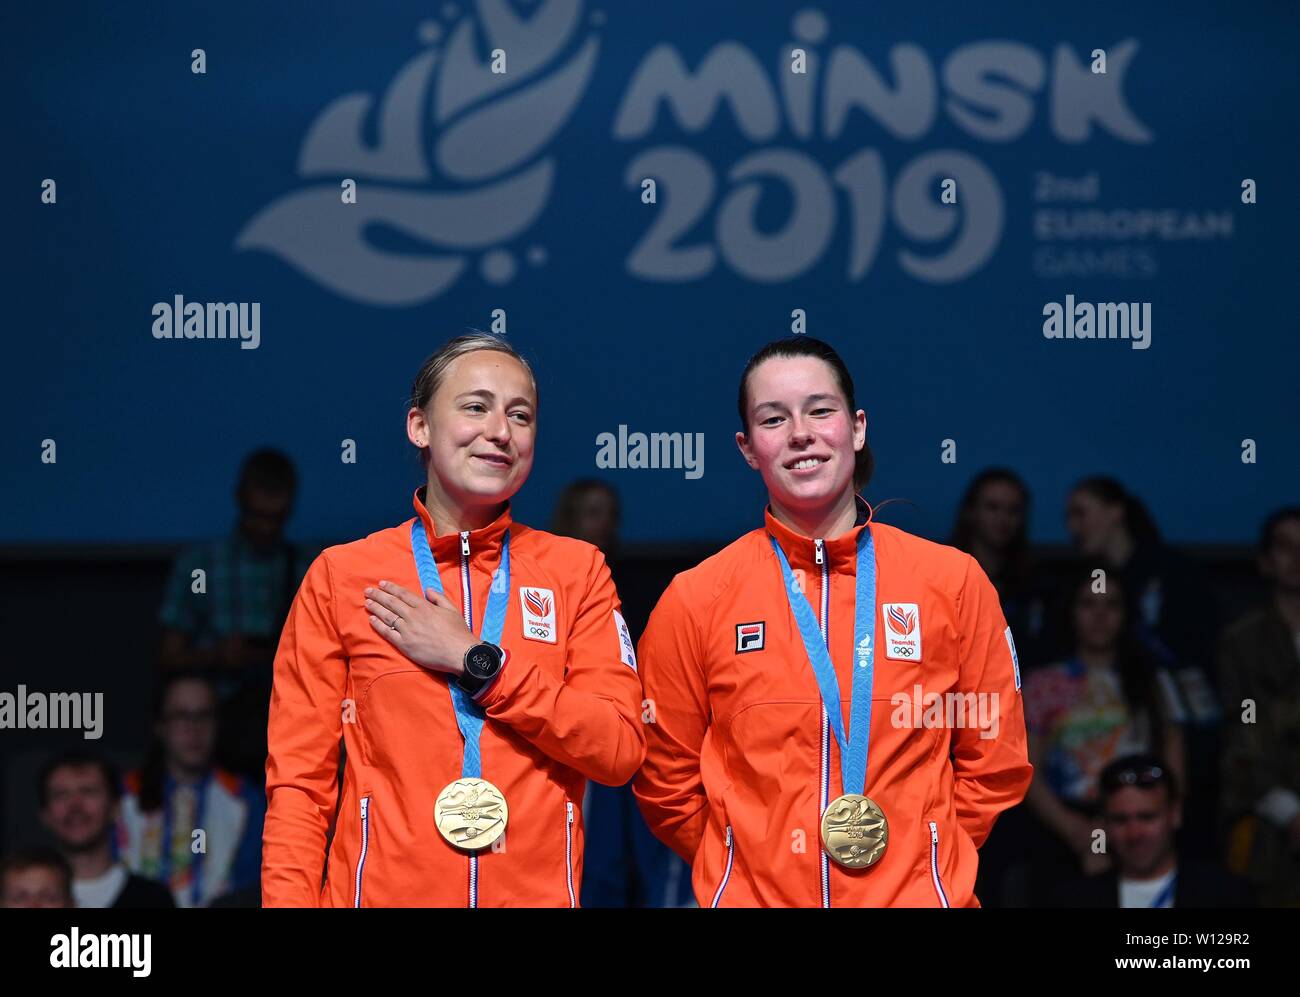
(1141, 822)
(79, 806)
(803, 438)
(479, 429)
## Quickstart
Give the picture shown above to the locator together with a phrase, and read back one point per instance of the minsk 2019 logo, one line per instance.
(456, 170)
(455, 161)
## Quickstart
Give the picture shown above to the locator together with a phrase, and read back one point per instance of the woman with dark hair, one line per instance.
(589, 510)
(1174, 607)
(186, 823)
(992, 526)
(824, 622)
(1103, 702)
(1175, 614)
(478, 671)
(1106, 520)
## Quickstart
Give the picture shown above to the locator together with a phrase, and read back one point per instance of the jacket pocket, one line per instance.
(365, 847)
(934, 866)
(726, 871)
(568, 851)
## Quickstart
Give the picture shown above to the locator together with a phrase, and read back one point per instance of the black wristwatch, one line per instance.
(482, 662)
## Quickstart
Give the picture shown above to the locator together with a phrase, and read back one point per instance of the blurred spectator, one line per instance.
(1084, 713)
(228, 619)
(992, 525)
(1259, 671)
(179, 792)
(79, 795)
(624, 865)
(35, 877)
(589, 510)
(1176, 615)
(1140, 814)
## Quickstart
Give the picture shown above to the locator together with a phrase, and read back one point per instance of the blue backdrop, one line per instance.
(522, 191)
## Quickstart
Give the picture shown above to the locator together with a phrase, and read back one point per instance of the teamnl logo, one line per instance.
(902, 630)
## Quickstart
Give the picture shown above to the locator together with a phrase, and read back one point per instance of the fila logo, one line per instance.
(749, 636)
(539, 613)
(902, 631)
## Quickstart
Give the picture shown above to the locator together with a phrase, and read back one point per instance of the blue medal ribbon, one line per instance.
(469, 715)
(1165, 895)
(853, 746)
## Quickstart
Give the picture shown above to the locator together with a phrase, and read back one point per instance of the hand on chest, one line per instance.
(523, 612)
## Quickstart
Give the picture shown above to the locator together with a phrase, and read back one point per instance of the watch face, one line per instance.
(482, 661)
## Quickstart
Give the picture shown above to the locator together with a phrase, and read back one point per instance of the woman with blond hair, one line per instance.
(479, 671)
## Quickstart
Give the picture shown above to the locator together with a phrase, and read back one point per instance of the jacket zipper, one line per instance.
(568, 850)
(934, 865)
(467, 610)
(819, 557)
(365, 847)
(726, 873)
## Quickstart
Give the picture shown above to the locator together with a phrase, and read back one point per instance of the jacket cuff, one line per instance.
(485, 697)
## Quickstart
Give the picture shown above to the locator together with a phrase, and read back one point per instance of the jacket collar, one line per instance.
(483, 542)
(801, 551)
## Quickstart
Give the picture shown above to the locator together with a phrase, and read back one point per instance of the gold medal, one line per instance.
(471, 813)
(854, 831)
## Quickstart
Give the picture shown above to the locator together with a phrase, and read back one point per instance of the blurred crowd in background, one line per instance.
(1164, 726)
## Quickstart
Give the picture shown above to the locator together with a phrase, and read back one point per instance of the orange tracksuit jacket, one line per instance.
(741, 764)
(560, 711)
